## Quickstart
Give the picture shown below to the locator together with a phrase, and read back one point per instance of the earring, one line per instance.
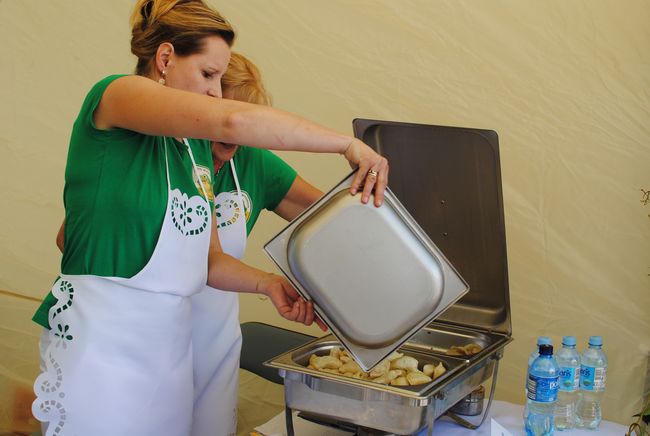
(162, 79)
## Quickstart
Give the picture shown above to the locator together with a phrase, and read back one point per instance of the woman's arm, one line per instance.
(229, 274)
(299, 197)
(142, 105)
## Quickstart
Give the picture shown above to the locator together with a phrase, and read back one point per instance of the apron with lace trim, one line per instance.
(120, 355)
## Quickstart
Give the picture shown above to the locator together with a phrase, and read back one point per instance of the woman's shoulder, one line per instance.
(84, 121)
(97, 90)
(100, 86)
(112, 77)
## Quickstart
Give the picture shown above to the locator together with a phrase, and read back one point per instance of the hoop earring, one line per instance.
(162, 79)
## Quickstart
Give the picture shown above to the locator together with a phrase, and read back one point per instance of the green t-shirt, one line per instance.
(263, 177)
(115, 194)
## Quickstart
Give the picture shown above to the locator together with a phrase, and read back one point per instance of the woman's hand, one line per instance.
(289, 304)
(373, 171)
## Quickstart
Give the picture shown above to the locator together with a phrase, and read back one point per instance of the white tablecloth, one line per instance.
(507, 414)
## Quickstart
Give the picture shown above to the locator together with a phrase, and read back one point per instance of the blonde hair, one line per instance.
(243, 78)
(183, 23)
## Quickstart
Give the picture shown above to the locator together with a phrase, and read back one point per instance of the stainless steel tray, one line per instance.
(399, 410)
(438, 338)
(375, 277)
(297, 360)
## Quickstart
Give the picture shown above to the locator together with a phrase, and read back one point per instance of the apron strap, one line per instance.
(167, 165)
(196, 170)
(239, 194)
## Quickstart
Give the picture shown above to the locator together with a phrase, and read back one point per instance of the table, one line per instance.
(507, 414)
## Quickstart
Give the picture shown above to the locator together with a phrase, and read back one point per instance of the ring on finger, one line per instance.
(372, 174)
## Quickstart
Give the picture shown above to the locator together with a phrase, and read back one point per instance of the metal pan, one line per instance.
(297, 361)
(374, 275)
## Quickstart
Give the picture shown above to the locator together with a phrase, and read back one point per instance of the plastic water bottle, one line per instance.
(542, 340)
(593, 371)
(568, 360)
(542, 393)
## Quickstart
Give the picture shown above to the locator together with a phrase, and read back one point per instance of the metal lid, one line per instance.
(449, 179)
(374, 275)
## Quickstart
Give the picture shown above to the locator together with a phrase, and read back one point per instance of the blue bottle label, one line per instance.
(542, 389)
(592, 378)
(569, 378)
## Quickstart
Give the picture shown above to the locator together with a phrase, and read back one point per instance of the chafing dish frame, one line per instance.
(387, 408)
(449, 180)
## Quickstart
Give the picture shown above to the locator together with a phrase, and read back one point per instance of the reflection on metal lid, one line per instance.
(341, 255)
(374, 275)
(449, 179)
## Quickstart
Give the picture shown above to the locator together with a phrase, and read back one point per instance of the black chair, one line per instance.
(261, 342)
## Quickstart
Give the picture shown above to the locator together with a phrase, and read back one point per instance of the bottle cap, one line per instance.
(569, 340)
(545, 350)
(543, 340)
(596, 341)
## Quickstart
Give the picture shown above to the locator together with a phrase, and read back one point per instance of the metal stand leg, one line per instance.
(288, 418)
(486, 412)
(430, 421)
(430, 428)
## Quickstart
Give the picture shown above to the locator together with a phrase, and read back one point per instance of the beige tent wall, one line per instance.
(564, 83)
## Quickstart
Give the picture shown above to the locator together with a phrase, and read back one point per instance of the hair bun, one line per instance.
(145, 11)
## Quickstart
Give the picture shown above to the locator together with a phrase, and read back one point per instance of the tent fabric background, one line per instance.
(564, 83)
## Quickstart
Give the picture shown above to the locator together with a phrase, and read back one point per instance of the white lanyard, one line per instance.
(196, 170)
(239, 194)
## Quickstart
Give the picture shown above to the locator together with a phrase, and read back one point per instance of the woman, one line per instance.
(246, 181)
(139, 234)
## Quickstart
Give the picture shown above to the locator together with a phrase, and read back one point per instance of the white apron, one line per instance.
(216, 334)
(119, 360)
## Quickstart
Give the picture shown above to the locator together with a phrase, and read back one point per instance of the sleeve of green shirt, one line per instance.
(280, 178)
(41, 316)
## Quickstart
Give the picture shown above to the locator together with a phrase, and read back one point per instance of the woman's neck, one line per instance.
(218, 164)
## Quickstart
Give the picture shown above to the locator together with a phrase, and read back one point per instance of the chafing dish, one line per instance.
(449, 181)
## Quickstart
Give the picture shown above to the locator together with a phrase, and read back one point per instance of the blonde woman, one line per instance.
(139, 235)
(246, 181)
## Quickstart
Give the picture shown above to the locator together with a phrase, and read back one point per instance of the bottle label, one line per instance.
(542, 389)
(569, 378)
(592, 378)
